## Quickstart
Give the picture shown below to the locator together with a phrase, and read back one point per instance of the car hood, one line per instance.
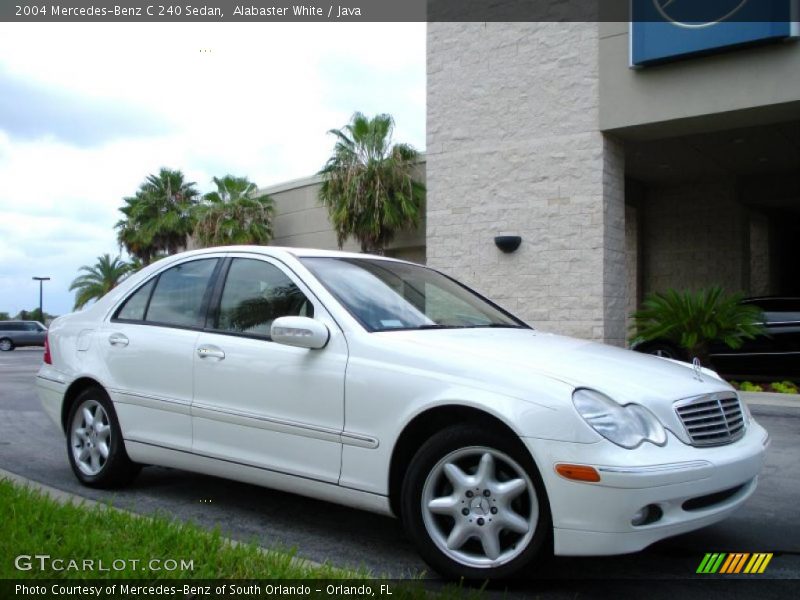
(516, 356)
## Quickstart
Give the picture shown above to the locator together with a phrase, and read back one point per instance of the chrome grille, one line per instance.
(712, 419)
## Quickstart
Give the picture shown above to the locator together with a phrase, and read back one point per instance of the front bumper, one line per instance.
(593, 519)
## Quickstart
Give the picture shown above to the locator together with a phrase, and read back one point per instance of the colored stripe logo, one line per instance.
(734, 563)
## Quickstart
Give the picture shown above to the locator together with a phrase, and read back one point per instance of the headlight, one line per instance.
(627, 426)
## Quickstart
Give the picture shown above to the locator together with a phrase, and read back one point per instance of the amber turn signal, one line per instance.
(578, 472)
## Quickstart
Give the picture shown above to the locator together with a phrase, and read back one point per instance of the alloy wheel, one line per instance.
(90, 437)
(479, 507)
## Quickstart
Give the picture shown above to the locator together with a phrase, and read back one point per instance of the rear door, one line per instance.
(148, 347)
(260, 403)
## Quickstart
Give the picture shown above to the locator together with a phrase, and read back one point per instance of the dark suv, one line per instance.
(15, 334)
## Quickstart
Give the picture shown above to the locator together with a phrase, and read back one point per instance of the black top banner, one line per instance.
(679, 11)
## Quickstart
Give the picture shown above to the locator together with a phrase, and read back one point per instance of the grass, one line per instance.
(33, 523)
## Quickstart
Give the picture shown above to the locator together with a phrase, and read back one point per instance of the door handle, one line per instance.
(210, 352)
(118, 339)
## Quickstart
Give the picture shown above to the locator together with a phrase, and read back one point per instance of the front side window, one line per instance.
(255, 294)
(385, 295)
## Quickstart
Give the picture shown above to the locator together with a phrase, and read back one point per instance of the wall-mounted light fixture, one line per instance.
(507, 243)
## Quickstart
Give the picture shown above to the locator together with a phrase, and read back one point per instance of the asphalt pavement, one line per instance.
(34, 447)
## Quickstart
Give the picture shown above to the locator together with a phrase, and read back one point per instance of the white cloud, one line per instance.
(257, 102)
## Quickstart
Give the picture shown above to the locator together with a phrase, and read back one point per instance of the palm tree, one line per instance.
(368, 186)
(129, 230)
(234, 214)
(694, 321)
(99, 279)
(160, 217)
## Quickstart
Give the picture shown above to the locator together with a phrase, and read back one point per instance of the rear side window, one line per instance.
(255, 294)
(179, 293)
(11, 326)
(134, 307)
(177, 298)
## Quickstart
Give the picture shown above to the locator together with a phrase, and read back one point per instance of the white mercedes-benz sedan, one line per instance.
(390, 387)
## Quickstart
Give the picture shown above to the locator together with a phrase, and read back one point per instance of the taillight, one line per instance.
(48, 360)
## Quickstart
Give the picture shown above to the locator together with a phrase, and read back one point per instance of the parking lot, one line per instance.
(32, 446)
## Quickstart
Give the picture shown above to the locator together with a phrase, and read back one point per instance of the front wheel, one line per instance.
(94, 442)
(474, 504)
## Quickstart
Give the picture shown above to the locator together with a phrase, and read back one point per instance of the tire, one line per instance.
(462, 512)
(6, 345)
(95, 446)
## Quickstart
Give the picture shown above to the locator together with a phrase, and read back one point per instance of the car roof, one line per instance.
(278, 251)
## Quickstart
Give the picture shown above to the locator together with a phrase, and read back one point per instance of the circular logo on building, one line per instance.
(693, 14)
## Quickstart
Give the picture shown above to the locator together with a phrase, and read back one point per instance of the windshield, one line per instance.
(385, 295)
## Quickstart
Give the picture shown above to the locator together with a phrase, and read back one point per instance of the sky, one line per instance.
(88, 110)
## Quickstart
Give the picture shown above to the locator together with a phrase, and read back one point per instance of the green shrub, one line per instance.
(746, 386)
(695, 320)
(785, 387)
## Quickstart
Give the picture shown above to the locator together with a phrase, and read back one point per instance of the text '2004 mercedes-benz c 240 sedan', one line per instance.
(390, 387)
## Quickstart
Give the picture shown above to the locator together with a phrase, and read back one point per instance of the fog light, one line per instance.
(646, 515)
(640, 516)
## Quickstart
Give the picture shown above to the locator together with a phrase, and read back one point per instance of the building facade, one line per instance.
(620, 181)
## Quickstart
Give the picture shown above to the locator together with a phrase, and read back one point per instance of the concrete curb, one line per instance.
(63, 497)
(771, 399)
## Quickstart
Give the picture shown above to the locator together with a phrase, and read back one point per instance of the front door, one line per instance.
(260, 403)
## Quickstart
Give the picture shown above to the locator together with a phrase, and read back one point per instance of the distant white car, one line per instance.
(388, 386)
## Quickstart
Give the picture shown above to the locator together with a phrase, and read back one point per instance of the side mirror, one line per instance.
(302, 332)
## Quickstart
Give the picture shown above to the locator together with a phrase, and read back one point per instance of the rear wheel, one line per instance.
(6, 345)
(474, 504)
(94, 442)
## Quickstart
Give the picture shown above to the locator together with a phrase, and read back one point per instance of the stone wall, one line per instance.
(695, 236)
(514, 148)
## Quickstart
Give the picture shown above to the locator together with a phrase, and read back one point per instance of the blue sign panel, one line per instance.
(663, 30)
